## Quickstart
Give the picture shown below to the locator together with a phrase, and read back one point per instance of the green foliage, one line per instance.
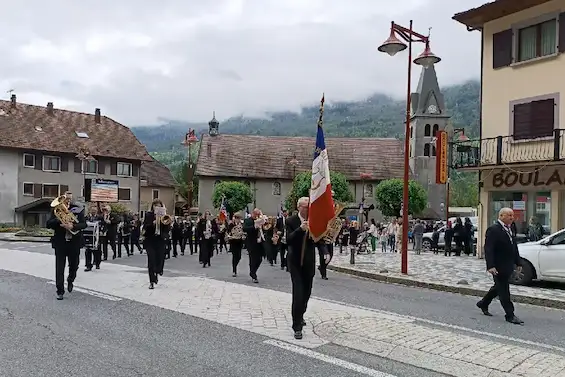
(388, 195)
(119, 208)
(301, 187)
(237, 195)
(463, 189)
(180, 174)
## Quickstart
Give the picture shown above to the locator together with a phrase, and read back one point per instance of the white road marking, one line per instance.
(93, 293)
(452, 327)
(327, 359)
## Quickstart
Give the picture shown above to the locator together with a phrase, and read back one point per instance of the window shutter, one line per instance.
(134, 169)
(64, 163)
(63, 189)
(38, 161)
(502, 49)
(543, 118)
(77, 164)
(101, 167)
(522, 121)
(114, 168)
(37, 190)
(561, 28)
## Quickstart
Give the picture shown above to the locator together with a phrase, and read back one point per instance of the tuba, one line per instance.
(334, 226)
(62, 213)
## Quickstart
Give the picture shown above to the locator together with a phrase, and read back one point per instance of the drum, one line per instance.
(91, 235)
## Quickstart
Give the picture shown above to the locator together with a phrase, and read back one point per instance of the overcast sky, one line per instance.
(139, 60)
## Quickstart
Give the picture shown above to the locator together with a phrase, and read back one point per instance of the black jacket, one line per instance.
(252, 235)
(149, 229)
(59, 236)
(295, 240)
(501, 251)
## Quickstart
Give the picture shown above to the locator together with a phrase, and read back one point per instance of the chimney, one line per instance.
(13, 99)
(97, 115)
(50, 108)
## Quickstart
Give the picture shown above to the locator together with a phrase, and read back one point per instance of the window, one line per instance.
(51, 163)
(533, 119)
(90, 167)
(368, 192)
(155, 194)
(428, 130)
(29, 160)
(28, 189)
(50, 191)
(124, 169)
(427, 150)
(433, 150)
(82, 135)
(124, 194)
(537, 40)
(276, 188)
(411, 132)
(435, 129)
(526, 206)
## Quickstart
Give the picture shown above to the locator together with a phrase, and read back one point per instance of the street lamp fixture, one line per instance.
(400, 39)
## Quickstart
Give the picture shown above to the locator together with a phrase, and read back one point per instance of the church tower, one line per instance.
(213, 126)
(428, 116)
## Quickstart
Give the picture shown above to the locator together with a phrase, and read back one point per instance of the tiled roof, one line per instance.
(31, 127)
(156, 174)
(246, 156)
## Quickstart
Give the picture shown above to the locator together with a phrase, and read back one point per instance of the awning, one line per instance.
(34, 204)
(475, 18)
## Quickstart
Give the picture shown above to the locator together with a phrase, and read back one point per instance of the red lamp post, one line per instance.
(189, 139)
(392, 46)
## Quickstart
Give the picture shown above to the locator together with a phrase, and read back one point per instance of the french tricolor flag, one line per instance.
(321, 202)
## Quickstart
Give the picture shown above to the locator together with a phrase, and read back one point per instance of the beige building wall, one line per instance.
(166, 194)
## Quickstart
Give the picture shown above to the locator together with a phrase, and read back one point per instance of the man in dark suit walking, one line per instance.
(301, 262)
(255, 238)
(502, 257)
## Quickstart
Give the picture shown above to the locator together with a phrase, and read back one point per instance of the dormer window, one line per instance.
(82, 135)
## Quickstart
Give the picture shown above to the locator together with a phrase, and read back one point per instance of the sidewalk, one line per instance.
(465, 275)
(11, 237)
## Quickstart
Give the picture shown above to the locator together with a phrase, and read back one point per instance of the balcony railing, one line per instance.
(506, 150)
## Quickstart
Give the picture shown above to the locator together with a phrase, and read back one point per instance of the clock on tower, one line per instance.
(432, 109)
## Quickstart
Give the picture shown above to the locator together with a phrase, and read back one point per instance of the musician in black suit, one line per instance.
(252, 227)
(301, 261)
(67, 245)
(108, 231)
(187, 236)
(282, 246)
(154, 243)
(207, 228)
(91, 251)
(502, 257)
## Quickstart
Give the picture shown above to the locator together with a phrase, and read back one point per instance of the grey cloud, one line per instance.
(181, 60)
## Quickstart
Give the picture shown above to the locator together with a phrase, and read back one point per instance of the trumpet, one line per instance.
(165, 220)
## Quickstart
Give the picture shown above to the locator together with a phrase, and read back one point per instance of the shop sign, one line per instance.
(512, 178)
(441, 158)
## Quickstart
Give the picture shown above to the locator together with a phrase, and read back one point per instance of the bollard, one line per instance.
(352, 256)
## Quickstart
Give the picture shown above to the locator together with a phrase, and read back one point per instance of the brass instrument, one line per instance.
(162, 220)
(268, 224)
(237, 232)
(62, 213)
(334, 226)
(276, 237)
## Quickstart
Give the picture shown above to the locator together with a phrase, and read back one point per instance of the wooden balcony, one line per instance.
(504, 150)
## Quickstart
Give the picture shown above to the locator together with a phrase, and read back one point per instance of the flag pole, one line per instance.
(306, 235)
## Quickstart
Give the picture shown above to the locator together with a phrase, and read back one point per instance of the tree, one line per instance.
(388, 195)
(237, 195)
(180, 175)
(301, 187)
(463, 189)
(119, 208)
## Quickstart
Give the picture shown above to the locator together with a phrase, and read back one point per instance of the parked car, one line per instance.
(542, 260)
(427, 238)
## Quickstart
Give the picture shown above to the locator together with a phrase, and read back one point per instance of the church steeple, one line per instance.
(428, 100)
(214, 126)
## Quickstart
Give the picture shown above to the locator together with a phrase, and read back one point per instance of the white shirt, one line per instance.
(507, 229)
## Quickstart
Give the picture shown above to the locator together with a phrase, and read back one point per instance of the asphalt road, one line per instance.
(90, 336)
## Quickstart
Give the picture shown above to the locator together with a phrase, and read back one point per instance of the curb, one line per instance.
(519, 298)
(25, 239)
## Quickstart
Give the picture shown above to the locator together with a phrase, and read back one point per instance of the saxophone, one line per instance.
(62, 213)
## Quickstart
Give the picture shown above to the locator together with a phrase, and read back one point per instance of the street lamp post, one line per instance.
(83, 156)
(392, 46)
(189, 139)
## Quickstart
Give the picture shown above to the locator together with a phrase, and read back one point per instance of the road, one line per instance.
(195, 322)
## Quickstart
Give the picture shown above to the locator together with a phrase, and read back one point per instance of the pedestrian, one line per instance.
(154, 241)
(92, 244)
(373, 234)
(502, 258)
(208, 230)
(253, 227)
(418, 233)
(301, 263)
(66, 240)
(235, 237)
(383, 239)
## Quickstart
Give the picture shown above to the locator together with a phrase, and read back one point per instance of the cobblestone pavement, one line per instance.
(266, 312)
(438, 269)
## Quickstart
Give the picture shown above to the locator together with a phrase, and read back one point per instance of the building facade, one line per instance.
(521, 149)
(45, 152)
(157, 183)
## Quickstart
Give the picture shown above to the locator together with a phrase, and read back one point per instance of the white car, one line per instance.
(542, 260)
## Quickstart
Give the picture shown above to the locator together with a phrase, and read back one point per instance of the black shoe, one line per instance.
(484, 309)
(303, 323)
(59, 297)
(113, 257)
(298, 335)
(156, 279)
(151, 286)
(234, 274)
(325, 277)
(97, 267)
(88, 269)
(255, 281)
(70, 286)
(514, 320)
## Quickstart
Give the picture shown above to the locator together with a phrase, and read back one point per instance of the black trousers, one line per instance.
(89, 254)
(282, 251)
(302, 278)
(134, 241)
(255, 259)
(501, 288)
(63, 252)
(104, 241)
(222, 242)
(124, 240)
(206, 250)
(235, 248)
(155, 259)
(177, 243)
(323, 265)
